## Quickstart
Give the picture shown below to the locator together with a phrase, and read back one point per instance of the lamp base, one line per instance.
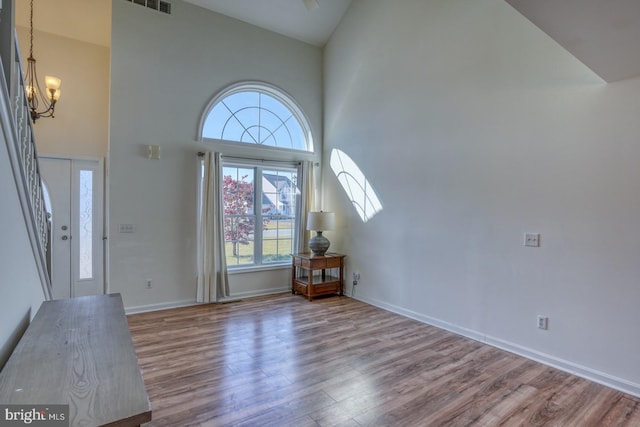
(319, 244)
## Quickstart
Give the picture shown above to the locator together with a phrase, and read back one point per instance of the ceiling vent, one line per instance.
(159, 5)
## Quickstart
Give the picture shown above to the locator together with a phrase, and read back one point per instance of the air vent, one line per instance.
(165, 7)
(159, 5)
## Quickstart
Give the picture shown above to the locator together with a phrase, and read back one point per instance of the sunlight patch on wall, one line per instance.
(355, 185)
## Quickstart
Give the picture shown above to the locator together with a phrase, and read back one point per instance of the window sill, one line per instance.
(258, 268)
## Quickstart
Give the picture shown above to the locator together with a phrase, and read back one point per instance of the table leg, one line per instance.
(341, 276)
(293, 279)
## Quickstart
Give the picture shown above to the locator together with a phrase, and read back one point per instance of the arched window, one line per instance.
(256, 113)
(264, 139)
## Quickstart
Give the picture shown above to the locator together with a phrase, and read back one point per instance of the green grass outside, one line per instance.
(273, 250)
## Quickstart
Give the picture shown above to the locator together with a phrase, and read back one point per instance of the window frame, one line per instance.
(244, 149)
(259, 166)
(235, 152)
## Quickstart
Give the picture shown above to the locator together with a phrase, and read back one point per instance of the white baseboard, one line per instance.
(161, 306)
(547, 359)
(187, 303)
(257, 293)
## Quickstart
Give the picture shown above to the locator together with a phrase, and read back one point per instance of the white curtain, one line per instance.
(306, 204)
(213, 282)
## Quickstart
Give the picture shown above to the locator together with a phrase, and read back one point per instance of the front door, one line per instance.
(73, 196)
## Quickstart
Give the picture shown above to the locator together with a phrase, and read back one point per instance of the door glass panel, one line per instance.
(46, 197)
(85, 262)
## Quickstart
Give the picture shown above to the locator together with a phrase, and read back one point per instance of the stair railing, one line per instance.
(18, 132)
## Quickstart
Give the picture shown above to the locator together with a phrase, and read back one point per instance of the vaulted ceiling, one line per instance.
(602, 34)
(291, 18)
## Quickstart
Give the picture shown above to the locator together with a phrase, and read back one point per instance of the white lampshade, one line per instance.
(321, 221)
(52, 82)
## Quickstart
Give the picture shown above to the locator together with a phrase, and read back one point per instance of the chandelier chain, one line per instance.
(35, 95)
(31, 31)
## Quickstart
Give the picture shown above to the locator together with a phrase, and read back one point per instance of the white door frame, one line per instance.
(100, 227)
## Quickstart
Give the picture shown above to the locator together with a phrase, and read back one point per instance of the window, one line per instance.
(263, 137)
(259, 213)
(85, 225)
(257, 114)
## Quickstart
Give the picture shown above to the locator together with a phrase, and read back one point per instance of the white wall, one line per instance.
(165, 69)
(81, 123)
(87, 20)
(20, 289)
(474, 127)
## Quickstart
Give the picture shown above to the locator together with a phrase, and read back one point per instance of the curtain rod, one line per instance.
(286, 162)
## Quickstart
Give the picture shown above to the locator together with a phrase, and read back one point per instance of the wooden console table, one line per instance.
(317, 275)
(78, 352)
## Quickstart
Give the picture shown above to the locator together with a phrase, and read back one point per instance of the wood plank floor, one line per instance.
(283, 361)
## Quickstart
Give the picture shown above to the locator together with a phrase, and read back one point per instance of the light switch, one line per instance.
(532, 239)
(154, 152)
(126, 228)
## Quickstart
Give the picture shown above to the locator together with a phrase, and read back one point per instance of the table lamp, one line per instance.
(319, 222)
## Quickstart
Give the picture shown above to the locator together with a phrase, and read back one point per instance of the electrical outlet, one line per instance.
(356, 278)
(148, 284)
(532, 240)
(542, 322)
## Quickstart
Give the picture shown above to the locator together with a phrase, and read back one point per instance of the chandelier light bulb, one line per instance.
(56, 94)
(31, 91)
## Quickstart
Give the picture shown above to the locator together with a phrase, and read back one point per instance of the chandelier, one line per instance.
(37, 98)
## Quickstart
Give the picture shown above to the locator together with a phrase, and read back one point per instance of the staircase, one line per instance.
(17, 133)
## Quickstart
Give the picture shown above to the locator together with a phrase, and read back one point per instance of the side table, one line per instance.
(317, 275)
